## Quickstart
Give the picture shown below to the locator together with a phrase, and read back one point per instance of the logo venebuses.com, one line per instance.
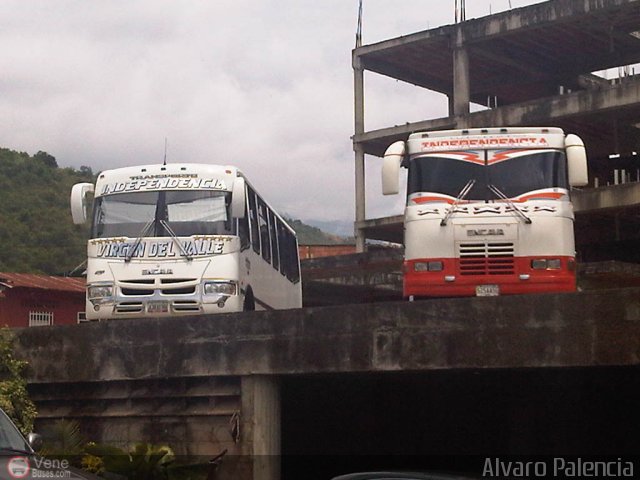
(38, 467)
(18, 467)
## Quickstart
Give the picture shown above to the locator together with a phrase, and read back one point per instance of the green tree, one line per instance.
(37, 234)
(14, 398)
(48, 160)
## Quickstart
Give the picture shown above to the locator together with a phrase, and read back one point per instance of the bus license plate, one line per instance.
(487, 290)
(158, 307)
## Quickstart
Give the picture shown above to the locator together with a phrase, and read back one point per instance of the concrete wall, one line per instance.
(181, 380)
(606, 198)
(520, 331)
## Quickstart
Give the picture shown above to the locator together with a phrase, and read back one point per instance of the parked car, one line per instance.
(18, 458)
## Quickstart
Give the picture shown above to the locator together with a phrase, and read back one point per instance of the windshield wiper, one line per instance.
(176, 240)
(463, 193)
(143, 234)
(515, 209)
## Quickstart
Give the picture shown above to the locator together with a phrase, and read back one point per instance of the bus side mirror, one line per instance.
(576, 161)
(391, 168)
(79, 203)
(238, 198)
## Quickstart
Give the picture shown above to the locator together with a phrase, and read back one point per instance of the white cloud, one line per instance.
(265, 85)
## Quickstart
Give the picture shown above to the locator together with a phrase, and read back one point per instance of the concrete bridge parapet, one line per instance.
(184, 380)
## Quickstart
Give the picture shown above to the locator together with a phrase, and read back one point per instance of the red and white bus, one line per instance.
(488, 210)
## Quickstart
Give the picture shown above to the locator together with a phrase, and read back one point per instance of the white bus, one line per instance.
(184, 239)
(488, 210)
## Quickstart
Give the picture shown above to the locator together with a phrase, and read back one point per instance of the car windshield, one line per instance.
(514, 176)
(186, 212)
(10, 437)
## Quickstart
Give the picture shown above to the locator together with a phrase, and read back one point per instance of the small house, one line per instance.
(28, 300)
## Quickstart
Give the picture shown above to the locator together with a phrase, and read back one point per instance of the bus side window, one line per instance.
(264, 230)
(293, 273)
(253, 219)
(243, 232)
(282, 248)
(274, 240)
(288, 248)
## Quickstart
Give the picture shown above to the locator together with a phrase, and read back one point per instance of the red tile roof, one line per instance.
(44, 282)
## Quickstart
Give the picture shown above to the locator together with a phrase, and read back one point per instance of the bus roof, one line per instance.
(488, 131)
(486, 139)
(122, 174)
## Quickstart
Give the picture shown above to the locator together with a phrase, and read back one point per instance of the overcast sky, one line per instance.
(264, 85)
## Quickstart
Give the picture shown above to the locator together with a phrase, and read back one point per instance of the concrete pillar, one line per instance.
(360, 197)
(358, 96)
(261, 421)
(461, 81)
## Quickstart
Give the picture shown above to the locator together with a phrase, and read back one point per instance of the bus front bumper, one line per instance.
(459, 280)
(160, 305)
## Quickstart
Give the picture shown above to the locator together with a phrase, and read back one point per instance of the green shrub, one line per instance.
(14, 398)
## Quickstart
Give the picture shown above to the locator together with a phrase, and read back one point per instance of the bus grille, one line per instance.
(185, 306)
(486, 258)
(138, 288)
(129, 307)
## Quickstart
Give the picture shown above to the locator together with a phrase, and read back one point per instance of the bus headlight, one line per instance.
(217, 288)
(546, 264)
(434, 266)
(100, 291)
(554, 264)
(539, 264)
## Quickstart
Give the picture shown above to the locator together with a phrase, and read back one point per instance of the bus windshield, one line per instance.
(186, 212)
(514, 176)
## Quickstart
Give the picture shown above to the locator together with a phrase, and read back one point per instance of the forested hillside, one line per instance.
(308, 235)
(36, 231)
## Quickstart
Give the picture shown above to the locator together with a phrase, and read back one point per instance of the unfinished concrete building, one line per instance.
(528, 66)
